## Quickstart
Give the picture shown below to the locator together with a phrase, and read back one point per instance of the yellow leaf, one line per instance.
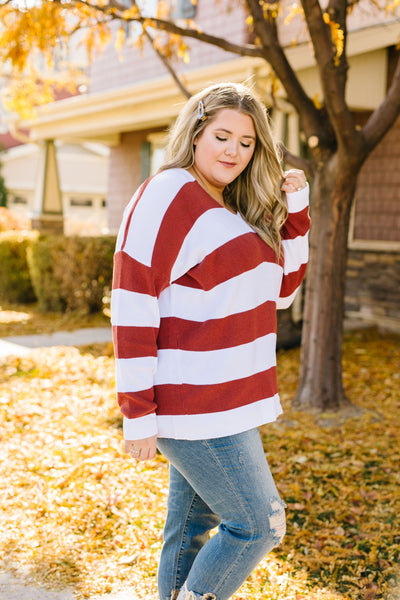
(120, 39)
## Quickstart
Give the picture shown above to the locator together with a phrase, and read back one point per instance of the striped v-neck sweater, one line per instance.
(193, 306)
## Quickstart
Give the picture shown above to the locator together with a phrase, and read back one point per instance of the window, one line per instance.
(19, 200)
(80, 202)
(148, 8)
(183, 9)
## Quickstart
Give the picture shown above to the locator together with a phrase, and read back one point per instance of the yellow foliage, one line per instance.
(295, 9)
(163, 9)
(316, 101)
(171, 46)
(271, 10)
(25, 93)
(337, 36)
(92, 518)
(131, 13)
(120, 39)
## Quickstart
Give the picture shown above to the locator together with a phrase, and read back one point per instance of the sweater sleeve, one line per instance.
(148, 243)
(295, 246)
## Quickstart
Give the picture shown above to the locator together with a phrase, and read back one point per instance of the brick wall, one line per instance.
(124, 175)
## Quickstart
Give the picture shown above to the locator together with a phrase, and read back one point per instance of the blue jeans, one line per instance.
(226, 482)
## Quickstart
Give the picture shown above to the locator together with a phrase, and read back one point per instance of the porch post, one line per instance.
(47, 214)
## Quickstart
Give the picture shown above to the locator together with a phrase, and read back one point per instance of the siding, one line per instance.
(377, 215)
(110, 71)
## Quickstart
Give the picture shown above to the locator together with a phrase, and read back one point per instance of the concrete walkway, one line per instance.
(13, 588)
(20, 345)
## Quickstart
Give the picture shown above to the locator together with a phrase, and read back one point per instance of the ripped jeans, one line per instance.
(224, 482)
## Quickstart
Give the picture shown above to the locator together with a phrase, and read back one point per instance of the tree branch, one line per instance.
(116, 10)
(385, 115)
(332, 65)
(296, 161)
(168, 66)
(170, 27)
(274, 54)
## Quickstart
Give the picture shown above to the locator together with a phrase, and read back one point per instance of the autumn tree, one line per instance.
(336, 146)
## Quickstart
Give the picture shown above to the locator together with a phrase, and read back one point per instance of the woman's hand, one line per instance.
(141, 449)
(294, 181)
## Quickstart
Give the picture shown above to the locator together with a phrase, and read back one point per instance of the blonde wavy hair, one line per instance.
(256, 192)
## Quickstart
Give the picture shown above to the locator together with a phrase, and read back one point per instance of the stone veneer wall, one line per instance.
(373, 287)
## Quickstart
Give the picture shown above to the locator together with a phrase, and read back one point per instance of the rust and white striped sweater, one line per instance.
(194, 302)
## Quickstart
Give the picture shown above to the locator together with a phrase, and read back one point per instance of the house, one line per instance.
(132, 101)
(81, 182)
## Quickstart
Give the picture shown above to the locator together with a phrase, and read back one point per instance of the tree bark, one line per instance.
(320, 383)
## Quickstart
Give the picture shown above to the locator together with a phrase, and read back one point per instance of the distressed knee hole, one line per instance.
(186, 594)
(277, 521)
(174, 595)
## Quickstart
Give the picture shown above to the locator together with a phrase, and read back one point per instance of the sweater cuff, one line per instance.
(298, 201)
(140, 428)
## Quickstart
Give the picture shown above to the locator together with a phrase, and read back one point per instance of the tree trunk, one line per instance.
(320, 383)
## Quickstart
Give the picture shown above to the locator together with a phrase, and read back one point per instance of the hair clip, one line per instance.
(201, 112)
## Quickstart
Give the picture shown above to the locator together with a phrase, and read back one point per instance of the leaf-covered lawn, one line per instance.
(75, 511)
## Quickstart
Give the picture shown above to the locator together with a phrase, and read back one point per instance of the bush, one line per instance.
(15, 281)
(72, 273)
(41, 256)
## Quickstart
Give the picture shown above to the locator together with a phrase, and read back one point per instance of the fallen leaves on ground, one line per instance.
(75, 511)
(27, 319)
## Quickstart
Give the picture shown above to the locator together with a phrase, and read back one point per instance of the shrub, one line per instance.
(41, 256)
(15, 281)
(72, 273)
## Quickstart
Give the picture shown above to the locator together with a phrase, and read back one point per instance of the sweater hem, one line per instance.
(219, 424)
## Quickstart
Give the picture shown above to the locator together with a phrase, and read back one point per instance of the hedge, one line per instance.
(63, 273)
(15, 281)
(71, 273)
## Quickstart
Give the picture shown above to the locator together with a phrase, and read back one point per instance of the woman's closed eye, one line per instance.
(224, 139)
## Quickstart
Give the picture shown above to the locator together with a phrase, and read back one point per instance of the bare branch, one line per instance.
(168, 66)
(115, 12)
(385, 115)
(170, 27)
(298, 162)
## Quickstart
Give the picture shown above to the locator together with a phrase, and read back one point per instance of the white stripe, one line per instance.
(135, 374)
(285, 302)
(296, 253)
(297, 201)
(150, 211)
(134, 309)
(212, 230)
(140, 428)
(219, 424)
(216, 366)
(244, 292)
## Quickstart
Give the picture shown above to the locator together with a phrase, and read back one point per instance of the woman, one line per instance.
(208, 249)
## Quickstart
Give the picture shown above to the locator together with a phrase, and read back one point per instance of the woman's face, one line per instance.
(224, 148)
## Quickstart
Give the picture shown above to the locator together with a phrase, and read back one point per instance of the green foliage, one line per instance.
(41, 256)
(3, 190)
(15, 281)
(71, 273)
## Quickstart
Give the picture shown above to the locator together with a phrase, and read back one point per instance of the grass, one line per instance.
(75, 511)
